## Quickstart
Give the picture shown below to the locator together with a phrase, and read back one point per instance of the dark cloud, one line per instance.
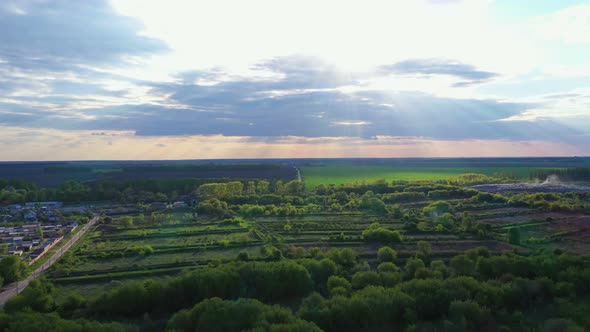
(468, 73)
(314, 114)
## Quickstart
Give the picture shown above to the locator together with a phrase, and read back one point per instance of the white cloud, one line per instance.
(353, 35)
(570, 25)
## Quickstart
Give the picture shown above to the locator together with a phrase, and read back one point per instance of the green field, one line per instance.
(341, 174)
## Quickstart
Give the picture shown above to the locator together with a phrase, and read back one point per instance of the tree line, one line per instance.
(338, 291)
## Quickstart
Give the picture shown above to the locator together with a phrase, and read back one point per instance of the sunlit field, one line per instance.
(342, 174)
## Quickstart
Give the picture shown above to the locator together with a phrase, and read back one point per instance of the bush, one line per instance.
(376, 233)
(243, 256)
(143, 250)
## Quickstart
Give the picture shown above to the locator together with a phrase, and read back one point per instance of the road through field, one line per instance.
(15, 288)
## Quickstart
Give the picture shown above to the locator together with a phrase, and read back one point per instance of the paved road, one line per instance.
(16, 287)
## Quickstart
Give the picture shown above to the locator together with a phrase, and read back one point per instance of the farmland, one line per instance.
(179, 242)
(436, 169)
(398, 230)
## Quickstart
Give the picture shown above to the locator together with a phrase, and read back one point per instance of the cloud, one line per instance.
(59, 34)
(79, 67)
(303, 97)
(570, 25)
(468, 73)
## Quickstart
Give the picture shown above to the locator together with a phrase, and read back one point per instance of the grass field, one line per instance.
(341, 174)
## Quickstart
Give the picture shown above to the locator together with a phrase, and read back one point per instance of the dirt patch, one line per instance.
(546, 187)
(502, 210)
(541, 216)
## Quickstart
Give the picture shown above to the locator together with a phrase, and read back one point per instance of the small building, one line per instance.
(71, 226)
(5, 217)
(178, 205)
(30, 215)
(14, 207)
(48, 205)
(53, 217)
(38, 252)
(158, 206)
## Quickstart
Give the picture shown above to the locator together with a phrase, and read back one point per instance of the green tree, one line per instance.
(387, 267)
(216, 314)
(386, 254)
(39, 232)
(127, 221)
(338, 285)
(412, 265)
(462, 265)
(424, 251)
(11, 268)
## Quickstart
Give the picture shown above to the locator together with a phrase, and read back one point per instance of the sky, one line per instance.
(183, 79)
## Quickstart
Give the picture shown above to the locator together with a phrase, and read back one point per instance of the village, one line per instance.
(32, 229)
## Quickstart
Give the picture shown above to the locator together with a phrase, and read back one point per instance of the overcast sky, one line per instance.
(140, 79)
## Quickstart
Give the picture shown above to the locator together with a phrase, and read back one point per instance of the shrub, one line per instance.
(376, 233)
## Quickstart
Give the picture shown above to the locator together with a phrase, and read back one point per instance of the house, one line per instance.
(48, 205)
(38, 252)
(158, 206)
(179, 204)
(27, 246)
(53, 217)
(48, 228)
(14, 207)
(30, 215)
(5, 217)
(29, 229)
(71, 226)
